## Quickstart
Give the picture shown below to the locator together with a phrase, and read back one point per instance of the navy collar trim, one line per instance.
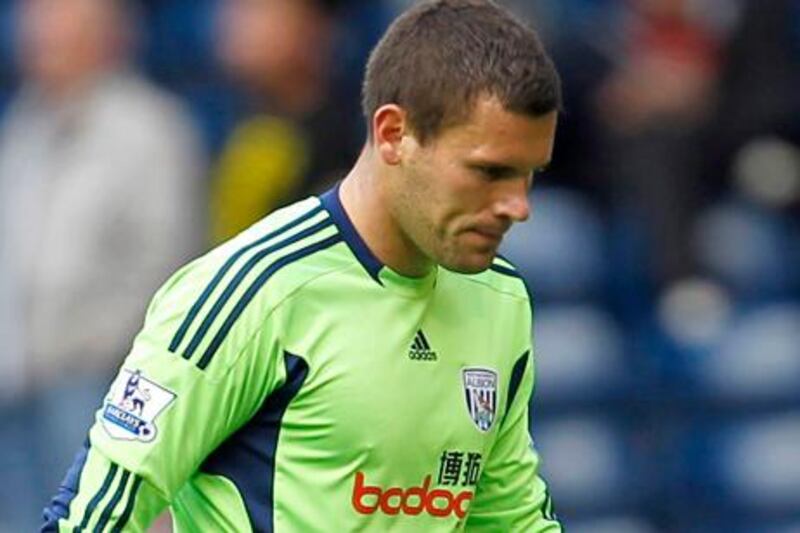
(333, 204)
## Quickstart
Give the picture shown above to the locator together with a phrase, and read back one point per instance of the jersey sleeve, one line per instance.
(98, 495)
(163, 415)
(510, 495)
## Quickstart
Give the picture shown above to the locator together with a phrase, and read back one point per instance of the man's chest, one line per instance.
(407, 390)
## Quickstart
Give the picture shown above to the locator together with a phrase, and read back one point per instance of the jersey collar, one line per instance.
(375, 268)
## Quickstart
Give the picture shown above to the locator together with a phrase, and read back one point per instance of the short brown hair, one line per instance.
(440, 55)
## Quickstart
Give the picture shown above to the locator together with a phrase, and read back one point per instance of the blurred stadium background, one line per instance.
(663, 252)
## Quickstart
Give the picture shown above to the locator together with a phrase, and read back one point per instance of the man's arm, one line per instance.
(164, 414)
(98, 495)
(510, 495)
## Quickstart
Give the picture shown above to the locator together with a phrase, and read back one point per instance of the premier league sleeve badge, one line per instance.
(132, 405)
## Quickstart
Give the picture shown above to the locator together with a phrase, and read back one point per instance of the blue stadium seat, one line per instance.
(688, 323)
(748, 468)
(579, 355)
(758, 359)
(749, 248)
(560, 250)
(725, 356)
(760, 462)
(588, 464)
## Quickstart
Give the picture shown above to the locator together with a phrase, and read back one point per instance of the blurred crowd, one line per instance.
(663, 253)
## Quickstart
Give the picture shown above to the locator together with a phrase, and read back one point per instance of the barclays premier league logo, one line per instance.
(480, 387)
(132, 406)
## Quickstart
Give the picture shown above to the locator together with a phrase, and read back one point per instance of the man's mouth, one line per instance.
(489, 235)
(490, 232)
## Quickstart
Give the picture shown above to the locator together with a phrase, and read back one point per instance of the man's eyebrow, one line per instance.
(506, 168)
(498, 166)
(494, 165)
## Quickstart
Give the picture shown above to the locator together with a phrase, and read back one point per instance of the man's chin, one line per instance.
(473, 264)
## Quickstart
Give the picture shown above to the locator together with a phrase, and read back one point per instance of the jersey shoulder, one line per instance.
(502, 277)
(219, 301)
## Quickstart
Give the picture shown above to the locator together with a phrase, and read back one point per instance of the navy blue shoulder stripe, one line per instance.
(253, 448)
(253, 289)
(505, 270)
(333, 204)
(548, 509)
(500, 269)
(87, 515)
(237, 280)
(516, 379)
(112, 503)
(206, 294)
(128, 510)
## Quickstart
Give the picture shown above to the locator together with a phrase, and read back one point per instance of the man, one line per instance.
(359, 361)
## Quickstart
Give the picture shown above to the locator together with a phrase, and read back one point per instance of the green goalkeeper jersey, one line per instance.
(288, 381)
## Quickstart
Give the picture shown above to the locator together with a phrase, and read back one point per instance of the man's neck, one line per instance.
(364, 199)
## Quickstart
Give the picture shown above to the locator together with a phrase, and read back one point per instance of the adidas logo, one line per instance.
(420, 349)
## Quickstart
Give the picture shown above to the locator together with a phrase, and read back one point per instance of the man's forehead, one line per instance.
(492, 130)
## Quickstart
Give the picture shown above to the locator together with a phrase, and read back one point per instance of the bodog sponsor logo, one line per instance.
(367, 499)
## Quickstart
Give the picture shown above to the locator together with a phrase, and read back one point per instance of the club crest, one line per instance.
(130, 409)
(480, 389)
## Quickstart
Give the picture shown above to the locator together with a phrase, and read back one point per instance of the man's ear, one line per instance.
(389, 125)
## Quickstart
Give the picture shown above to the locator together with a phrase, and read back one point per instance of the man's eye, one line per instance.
(495, 173)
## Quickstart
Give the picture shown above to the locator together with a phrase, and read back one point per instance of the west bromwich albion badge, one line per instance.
(132, 405)
(480, 388)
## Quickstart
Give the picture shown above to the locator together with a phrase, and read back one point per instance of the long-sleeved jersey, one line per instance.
(288, 381)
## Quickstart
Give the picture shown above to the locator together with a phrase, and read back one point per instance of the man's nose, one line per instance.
(513, 202)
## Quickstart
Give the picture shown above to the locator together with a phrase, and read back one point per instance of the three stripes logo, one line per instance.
(238, 282)
(421, 349)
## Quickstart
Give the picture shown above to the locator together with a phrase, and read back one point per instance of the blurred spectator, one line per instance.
(653, 104)
(99, 200)
(758, 91)
(297, 135)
